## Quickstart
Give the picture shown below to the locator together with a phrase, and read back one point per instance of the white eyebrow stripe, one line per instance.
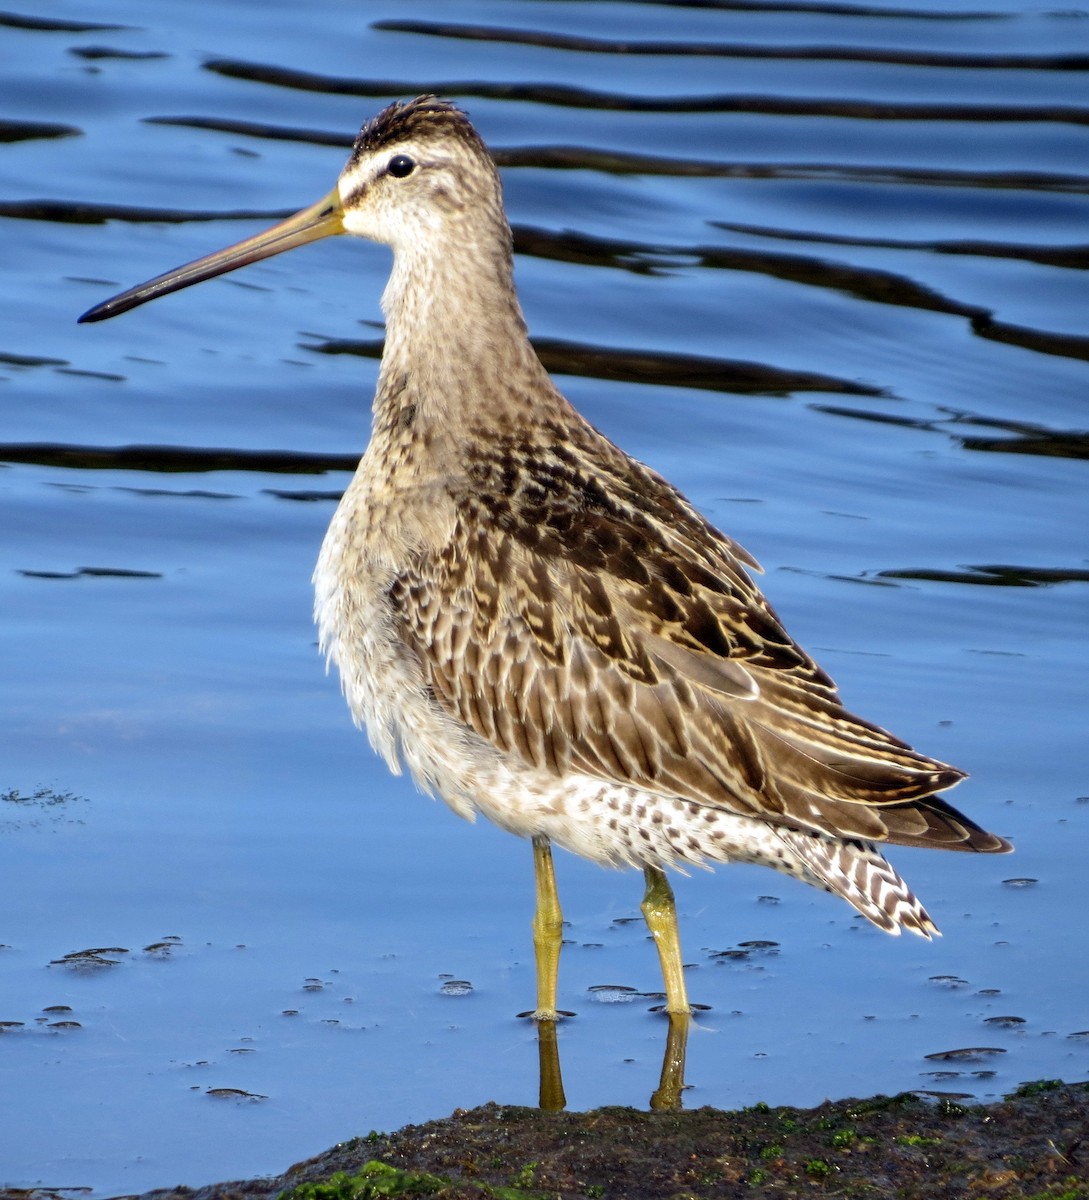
(357, 177)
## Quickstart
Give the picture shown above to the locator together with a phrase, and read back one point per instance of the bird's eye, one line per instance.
(400, 165)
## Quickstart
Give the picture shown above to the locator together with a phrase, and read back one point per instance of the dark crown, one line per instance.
(424, 116)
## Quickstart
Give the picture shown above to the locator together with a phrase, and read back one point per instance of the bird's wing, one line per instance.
(602, 639)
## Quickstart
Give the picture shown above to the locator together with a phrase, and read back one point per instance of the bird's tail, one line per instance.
(862, 875)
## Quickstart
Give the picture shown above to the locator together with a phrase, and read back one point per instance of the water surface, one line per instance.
(823, 267)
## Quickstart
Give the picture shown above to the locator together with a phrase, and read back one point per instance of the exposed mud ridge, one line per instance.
(1031, 1146)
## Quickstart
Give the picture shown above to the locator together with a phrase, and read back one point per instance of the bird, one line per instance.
(544, 630)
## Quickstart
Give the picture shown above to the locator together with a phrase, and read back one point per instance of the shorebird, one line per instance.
(545, 630)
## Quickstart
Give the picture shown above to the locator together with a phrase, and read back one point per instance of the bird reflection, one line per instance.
(665, 1098)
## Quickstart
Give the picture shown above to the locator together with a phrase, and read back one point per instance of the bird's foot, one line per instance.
(691, 1010)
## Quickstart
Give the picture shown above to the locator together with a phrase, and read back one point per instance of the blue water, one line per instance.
(179, 773)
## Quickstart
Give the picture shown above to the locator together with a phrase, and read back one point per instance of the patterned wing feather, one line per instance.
(609, 629)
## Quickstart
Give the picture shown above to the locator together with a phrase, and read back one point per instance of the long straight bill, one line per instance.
(318, 221)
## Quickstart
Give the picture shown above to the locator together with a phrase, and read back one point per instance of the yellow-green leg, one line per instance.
(547, 931)
(660, 912)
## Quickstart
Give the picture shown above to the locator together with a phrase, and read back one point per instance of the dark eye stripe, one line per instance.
(354, 196)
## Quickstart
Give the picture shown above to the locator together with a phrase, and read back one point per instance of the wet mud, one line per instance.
(1032, 1145)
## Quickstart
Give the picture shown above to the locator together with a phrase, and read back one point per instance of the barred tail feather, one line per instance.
(859, 873)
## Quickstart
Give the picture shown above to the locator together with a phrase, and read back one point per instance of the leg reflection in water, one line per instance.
(666, 1097)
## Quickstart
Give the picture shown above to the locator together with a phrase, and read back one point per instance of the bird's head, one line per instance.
(418, 176)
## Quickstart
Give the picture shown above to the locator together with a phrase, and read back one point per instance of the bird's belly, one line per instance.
(603, 821)
(384, 685)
